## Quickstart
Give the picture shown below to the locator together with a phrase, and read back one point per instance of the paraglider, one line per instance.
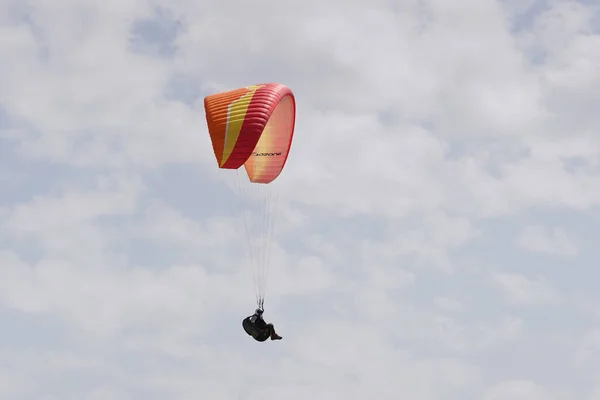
(258, 328)
(253, 127)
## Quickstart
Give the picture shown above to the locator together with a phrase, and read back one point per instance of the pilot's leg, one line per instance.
(274, 335)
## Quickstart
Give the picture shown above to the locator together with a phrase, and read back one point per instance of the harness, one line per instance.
(251, 329)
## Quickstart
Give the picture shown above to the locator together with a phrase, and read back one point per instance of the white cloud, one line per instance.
(522, 290)
(424, 130)
(542, 240)
(449, 304)
(521, 390)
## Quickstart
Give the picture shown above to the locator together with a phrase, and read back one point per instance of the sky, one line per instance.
(438, 219)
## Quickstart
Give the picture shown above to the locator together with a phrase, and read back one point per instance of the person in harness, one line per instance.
(256, 327)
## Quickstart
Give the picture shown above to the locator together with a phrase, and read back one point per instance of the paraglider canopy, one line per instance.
(254, 127)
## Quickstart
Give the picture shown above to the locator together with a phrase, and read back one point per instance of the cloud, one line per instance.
(520, 389)
(427, 134)
(526, 291)
(449, 304)
(540, 240)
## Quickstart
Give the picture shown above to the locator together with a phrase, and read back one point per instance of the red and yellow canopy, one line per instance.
(252, 126)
